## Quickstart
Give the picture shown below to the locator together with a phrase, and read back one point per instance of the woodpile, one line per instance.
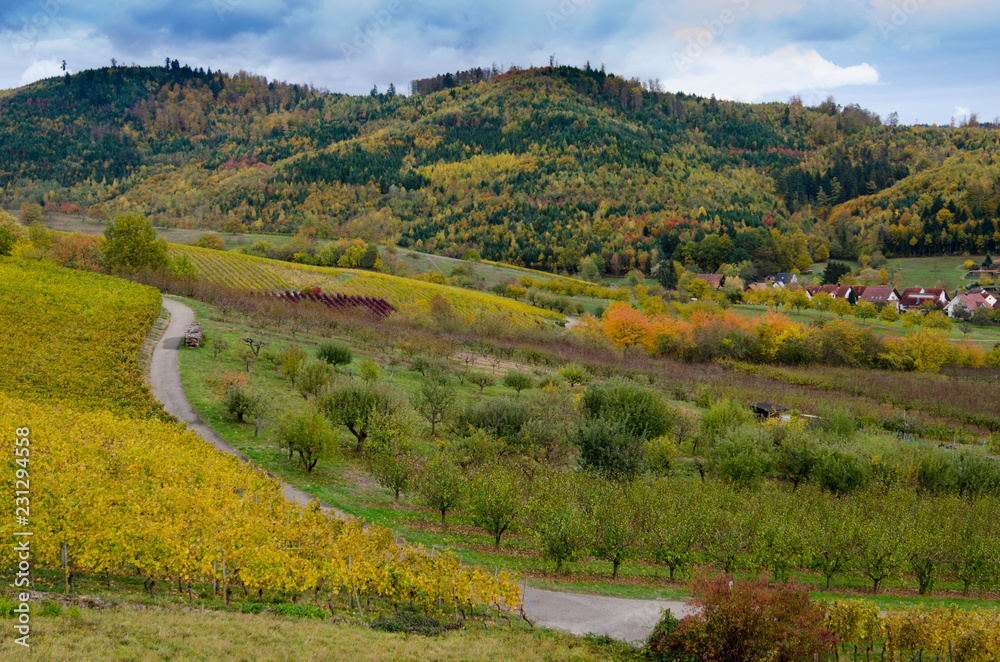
(194, 336)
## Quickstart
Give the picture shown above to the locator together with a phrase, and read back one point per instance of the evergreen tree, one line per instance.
(668, 275)
(834, 270)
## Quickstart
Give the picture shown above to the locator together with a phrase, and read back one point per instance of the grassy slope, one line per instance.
(126, 634)
(340, 481)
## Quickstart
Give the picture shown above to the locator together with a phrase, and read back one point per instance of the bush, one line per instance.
(334, 353)
(640, 410)
(661, 455)
(240, 401)
(518, 381)
(250, 607)
(50, 608)
(722, 417)
(503, 417)
(299, 611)
(309, 435)
(6, 241)
(840, 472)
(742, 458)
(611, 447)
(410, 623)
(7, 608)
(840, 422)
(743, 621)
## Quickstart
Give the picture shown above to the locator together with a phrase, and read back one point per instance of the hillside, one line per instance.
(537, 167)
(248, 272)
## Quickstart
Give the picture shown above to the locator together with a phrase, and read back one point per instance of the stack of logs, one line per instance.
(194, 336)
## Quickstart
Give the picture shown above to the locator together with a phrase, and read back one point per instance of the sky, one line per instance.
(928, 60)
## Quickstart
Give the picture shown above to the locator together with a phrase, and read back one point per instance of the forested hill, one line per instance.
(537, 167)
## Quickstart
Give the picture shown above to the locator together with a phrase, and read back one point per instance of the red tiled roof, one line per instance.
(715, 280)
(876, 293)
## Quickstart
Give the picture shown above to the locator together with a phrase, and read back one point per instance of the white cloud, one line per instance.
(733, 73)
(40, 69)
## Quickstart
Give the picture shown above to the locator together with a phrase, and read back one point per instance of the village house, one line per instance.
(715, 280)
(784, 280)
(968, 303)
(878, 295)
(836, 291)
(912, 297)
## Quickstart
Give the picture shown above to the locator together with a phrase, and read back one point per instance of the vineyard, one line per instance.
(74, 337)
(254, 273)
(103, 495)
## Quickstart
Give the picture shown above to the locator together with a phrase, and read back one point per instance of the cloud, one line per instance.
(737, 74)
(40, 69)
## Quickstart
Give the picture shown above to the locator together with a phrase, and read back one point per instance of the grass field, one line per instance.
(946, 270)
(148, 635)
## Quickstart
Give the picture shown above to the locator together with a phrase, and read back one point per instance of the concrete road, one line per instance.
(620, 618)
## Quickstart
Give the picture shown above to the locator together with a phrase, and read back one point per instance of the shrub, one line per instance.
(50, 608)
(742, 458)
(502, 417)
(334, 353)
(313, 377)
(410, 623)
(518, 381)
(210, 240)
(574, 374)
(640, 410)
(743, 621)
(250, 607)
(612, 447)
(299, 611)
(840, 472)
(369, 371)
(722, 417)
(240, 401)
(661, 455)
(7, 608)
(6, 241)
(840, 422)
(309, 435)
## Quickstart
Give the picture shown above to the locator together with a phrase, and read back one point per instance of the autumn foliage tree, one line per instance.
(623, 325)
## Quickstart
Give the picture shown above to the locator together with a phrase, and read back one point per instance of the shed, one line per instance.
(768, 409)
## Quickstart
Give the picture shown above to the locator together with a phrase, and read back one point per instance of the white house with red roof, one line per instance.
(912, 297)
(878, 295)
(968, 303)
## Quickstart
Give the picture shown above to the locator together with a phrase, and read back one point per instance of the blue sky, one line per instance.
(928, 60)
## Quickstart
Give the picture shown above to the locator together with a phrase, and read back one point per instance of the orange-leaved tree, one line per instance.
(623, 325)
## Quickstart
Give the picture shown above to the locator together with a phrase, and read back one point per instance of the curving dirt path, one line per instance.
(624, 619)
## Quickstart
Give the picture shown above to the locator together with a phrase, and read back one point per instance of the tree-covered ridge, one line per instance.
(536, 167)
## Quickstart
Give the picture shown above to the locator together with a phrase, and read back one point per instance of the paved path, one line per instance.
(624, 619)
(165, 381)
(621, 618)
